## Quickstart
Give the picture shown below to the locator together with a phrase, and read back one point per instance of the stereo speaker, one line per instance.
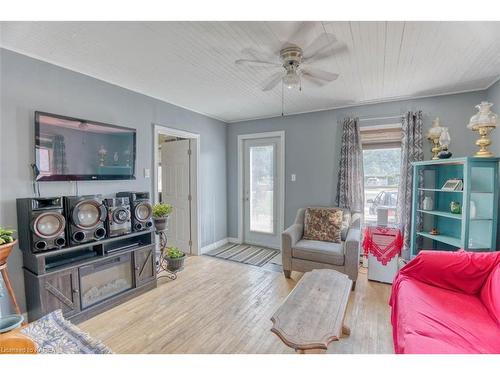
(141, 209)
(41, 224)
(86, 218)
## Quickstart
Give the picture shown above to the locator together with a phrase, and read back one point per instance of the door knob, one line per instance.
(76, 291)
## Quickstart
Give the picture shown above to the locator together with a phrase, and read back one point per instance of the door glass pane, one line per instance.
(262, 189)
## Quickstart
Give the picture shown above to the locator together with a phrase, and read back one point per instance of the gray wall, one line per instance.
(493, 96)
(28, 85)
(312, 143)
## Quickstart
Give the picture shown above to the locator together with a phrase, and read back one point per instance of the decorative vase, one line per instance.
(428, 204)
(175, 264)
(161, 223)
(455, 207)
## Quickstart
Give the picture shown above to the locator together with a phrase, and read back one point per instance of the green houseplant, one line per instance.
(175, 258)
(160, 215)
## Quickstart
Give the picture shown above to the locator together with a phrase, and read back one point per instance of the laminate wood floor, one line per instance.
(218, 306)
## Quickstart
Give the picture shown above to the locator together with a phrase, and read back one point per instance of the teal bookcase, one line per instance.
(475, 227)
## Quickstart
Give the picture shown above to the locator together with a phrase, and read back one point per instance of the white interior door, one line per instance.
(261, 191)
(175, 165)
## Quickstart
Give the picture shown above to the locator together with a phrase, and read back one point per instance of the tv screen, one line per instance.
(68, 149)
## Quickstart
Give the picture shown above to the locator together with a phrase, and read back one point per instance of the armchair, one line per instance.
(303, 255)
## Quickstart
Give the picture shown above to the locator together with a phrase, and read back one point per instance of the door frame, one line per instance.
(281, 187)
(194, 179)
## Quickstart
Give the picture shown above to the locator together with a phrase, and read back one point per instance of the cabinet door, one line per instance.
(144, 263)
(60, 291)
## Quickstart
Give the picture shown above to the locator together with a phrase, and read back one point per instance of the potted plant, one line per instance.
(7, 242)
(175, 258)
(160, 215)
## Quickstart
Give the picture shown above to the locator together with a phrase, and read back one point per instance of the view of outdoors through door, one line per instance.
(382, 170)
(261, 191)
(262, 188)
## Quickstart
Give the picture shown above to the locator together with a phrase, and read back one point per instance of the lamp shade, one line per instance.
(444, 138)
(483, 118)
(435, 131)
(291, 79)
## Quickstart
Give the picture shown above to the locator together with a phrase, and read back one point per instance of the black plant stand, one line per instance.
(161, 263)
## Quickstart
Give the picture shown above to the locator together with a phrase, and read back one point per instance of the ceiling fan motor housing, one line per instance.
(291, 57)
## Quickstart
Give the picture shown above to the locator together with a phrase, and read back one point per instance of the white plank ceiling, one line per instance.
(191, 64)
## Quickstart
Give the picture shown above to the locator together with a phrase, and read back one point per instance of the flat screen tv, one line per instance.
(71, 149)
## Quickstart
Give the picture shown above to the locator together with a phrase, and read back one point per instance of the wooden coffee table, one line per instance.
(312, 316)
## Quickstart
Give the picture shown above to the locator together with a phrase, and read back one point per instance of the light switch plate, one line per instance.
(146, 173)
(293, 177)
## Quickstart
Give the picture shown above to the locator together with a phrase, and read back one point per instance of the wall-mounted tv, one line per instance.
(71, 149)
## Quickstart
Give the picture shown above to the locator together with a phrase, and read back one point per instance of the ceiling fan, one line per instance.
(294, 61)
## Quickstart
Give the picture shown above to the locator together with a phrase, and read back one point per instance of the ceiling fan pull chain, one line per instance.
(282, 98)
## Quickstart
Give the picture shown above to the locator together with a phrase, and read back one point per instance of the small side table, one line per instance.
(161, 263)
(382, 245)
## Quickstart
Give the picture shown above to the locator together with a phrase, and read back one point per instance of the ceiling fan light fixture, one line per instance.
(291, 80)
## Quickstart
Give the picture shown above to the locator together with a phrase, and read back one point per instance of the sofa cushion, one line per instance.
(428, 319)
(319, 251)
(323, 224)
(490, 293)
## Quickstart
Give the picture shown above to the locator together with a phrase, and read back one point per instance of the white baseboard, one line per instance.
(233, 240)
(214, 245)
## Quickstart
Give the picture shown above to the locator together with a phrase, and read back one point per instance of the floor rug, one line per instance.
(53, 334)
(277, 259)
(243, 253)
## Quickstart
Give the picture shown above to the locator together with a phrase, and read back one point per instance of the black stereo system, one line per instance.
(141, 209)
(53, 223)
(118, 222)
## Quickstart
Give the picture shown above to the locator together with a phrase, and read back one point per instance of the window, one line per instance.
(381, 164)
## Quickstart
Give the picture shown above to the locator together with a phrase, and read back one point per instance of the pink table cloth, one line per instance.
(384, 243)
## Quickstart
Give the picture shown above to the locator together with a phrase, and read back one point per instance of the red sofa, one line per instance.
(447, 302)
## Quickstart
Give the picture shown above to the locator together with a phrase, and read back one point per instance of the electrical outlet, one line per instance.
(293, 177)
(146, 173)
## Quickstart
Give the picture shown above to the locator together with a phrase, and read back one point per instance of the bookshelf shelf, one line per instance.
(474, 231)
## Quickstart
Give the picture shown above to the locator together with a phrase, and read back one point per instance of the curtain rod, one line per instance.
(379, 118)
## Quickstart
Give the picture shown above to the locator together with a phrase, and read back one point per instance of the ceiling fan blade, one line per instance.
(272, 81)
(321, 42)
(325, 53)
(313, 80)
(260, 55)
(302, 33)
(320, 74)
(256, 63)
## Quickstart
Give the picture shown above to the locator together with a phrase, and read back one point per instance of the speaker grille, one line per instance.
(88, 214)
(143, 211)
(49, 225)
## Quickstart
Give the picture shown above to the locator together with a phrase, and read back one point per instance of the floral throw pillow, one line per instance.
(323, 224)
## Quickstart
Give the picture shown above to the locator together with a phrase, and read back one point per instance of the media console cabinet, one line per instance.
(90, 278)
